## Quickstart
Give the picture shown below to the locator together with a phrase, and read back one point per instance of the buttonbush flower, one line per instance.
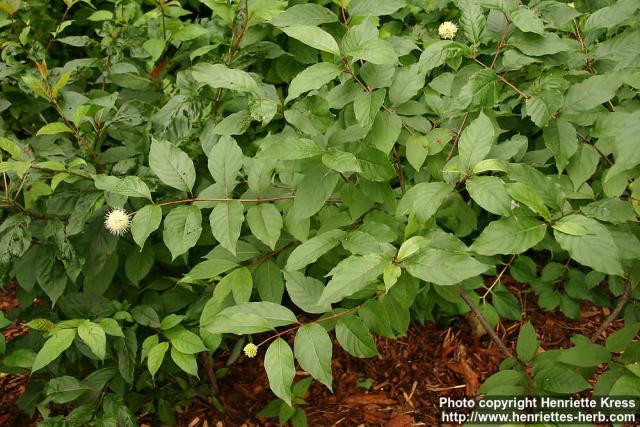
(251, 350)
(447, 30)
(117, 221)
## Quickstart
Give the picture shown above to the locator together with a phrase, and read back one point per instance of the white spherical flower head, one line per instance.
(117, 221)
(251, 350)
(448, 30)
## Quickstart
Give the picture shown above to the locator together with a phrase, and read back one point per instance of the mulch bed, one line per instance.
(403, 384)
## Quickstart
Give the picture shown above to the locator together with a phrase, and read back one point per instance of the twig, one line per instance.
(582, 47)
(229, 199)
(495, 282)
(204, 358)
(503, 80)
(349, 71)
(53, 37)
(501, 42)
(399, 169)
(164, 29)
(483, 321)
(616, 311)
(455, 141)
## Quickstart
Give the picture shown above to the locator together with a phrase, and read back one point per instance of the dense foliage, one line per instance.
(179, 176)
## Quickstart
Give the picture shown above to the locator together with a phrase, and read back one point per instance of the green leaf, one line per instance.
(314, 248)
(406, 84)
(185, 341)
(155, 47)
(384, 131)
(314, 190)
(366, 106)
(534, 45)
(172, 165)
(286, 147)
(512, 235)
(238, 323)
(130, 186)
(569, 225)
(560, 137)
(313, 349)
(350, 276)
(354, 336)
(391, 275)
(526, 194)
(596, 249)
(374, 7)
(424, 199)
(362, 42)
(225, 161)
(375, 165)
(53, 347)
(376, 317)
(620, 339)
(274, 314)
(156, 356)
(543, 106)
(417, 150)
(170, 321)
(585, 355)
(526, 20)
(278, 362)
(234, 124)
(207, 270)
(145, 221)
(226, 223)
(220, 76)
(472, 20)
(94, 337)
(182, 229)
(590, 93)
(312, 78)
(304, 14)
(436, 53)
(490, 193)
(313, 36)
(265, 223)
(583, 165)
(186, 362)
(341, 161)
(64, 389)
(481, 90)
(443, 267)
(615, 211)
(305, 292)
(269, 282)
(53, 128)
(476, 142)
(611, 16)
(100, 15)
(527, 344)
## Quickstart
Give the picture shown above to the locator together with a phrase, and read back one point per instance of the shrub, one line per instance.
(360, 162)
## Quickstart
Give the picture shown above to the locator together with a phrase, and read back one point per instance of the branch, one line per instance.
(616, 311)
(229, 199)
(455, 141)
(204, 358)
(484, 322)
(495, 282)
(503, 80)
(501, 42)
